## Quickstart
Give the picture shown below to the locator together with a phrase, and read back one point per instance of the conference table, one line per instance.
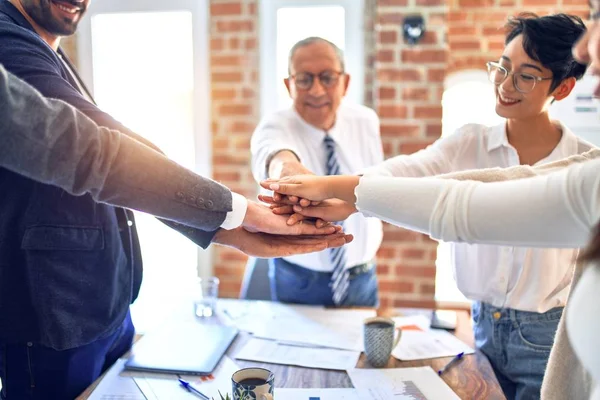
(471, 378)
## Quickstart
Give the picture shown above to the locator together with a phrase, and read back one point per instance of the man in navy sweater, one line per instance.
(69, 266)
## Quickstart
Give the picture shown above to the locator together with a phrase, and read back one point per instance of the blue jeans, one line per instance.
(32, 372)
(518, 344)
(291, 283)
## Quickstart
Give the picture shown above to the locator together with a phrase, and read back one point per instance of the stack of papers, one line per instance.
(418, 342)
(307, 336)
(403, 383)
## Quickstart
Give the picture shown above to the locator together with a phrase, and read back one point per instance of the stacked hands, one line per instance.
(318, 200)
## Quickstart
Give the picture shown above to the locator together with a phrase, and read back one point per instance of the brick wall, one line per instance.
(235, 112)
(403, 84)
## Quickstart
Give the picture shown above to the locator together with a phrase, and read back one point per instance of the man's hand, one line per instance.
(285, 163)
(267, 246)
(260, 218)
(332, 210)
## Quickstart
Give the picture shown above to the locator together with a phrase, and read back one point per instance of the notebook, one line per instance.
(189, 348)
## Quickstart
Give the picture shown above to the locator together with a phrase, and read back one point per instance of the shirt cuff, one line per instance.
(236, 216)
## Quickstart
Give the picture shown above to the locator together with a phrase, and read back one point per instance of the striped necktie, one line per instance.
(340, 277)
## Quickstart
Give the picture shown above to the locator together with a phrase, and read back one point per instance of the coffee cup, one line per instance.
(253, 383)
(379, 340)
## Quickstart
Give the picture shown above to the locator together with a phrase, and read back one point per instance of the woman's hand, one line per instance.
(309, 187)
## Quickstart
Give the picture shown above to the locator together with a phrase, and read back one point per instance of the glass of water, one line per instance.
(206, 298)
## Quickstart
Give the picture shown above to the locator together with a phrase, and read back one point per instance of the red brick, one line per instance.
(433, 130)
(465, 44)
(424, 56)
(250, 44)
(475, 3)
(508, 3)
(411, 130)
(382, 269)
(229, 160)
(385, 56)
(429, 37)
(461, 30)
(396, 111)
(235, 26)
(242, 127)
(388, 37)
(458, 16)
(400, 75)
(226, 77)
(402, 303)
(427, 288)
(233, 255)
(421, 272)
(386, 252)
(428, 3)
(252, 8)
(533, 3)
(436, 75)
(223, 94)
(413, 254)
(228, 61)
(217, 44)
(415, 94)
(410, 148)
(386, 93)
(248, 93)
(396, 286)
(225, 8)
(392, 3)
(428, 112)
(493, 31)
(401, 235)
(392, 18)
(235, 109)
(385, 302)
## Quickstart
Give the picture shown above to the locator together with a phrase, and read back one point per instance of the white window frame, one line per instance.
(354, 39)
(201, 70)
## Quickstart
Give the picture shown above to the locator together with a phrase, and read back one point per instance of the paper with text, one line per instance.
(332, 394)
(270, 351)
(433, 343)
(116, 387)
(404, 383)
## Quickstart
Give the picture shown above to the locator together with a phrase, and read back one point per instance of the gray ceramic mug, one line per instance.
(379, 340)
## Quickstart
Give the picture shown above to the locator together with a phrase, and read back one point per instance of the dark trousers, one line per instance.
(32, 372)
(291, 283)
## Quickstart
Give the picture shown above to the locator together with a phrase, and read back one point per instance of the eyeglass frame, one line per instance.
(338, 74)
(495, 64)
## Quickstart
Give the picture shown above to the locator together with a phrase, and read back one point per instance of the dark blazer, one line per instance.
(69, 266)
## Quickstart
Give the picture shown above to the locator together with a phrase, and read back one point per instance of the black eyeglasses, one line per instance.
(305, 80)
(523, 81)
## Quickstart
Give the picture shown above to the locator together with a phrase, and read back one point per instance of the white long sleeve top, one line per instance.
(504, 276)
(557, 210)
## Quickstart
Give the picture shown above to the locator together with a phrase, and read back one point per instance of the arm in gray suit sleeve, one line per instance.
(53, 143)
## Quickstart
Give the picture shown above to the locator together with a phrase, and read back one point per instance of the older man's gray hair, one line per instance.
(315, 39)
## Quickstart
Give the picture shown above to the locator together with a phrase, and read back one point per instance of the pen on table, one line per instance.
(452, 362)
(188, 386)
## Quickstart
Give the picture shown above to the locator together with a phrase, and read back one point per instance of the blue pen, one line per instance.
(188, 386)
(453, 361)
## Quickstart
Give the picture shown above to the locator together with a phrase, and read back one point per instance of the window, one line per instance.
(153, 80)
(468, 98)
(285, 22)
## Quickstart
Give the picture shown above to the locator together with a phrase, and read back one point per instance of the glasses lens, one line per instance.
(524, 82)
(496, 73)
(304, 81)
(328, 79)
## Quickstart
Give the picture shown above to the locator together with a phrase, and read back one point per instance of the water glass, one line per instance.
(206, 298)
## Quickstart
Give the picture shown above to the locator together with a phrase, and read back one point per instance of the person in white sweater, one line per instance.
(515, 314)
(558, 209)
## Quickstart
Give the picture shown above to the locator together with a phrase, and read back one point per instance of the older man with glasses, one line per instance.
(320, 135)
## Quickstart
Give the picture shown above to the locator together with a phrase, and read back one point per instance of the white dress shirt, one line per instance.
(556, 210)
(504, 276)
(358, 146)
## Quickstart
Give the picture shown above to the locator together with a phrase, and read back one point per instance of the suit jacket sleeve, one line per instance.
(23, 55)
(53, 143)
